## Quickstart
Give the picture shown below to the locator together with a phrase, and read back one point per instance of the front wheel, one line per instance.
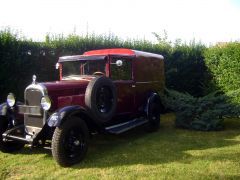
(70, 142)
(11, 145)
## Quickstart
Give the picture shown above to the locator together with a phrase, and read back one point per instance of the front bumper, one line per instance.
(17, 133)
(28, 130)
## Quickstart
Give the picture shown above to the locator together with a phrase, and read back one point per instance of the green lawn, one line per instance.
(169, 153)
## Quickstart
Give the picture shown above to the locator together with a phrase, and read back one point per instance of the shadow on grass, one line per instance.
(167, 145)
(29, 151)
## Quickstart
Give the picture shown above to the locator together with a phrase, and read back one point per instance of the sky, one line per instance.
(208, 21)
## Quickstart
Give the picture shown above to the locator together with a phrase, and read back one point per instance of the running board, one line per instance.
(123, 127)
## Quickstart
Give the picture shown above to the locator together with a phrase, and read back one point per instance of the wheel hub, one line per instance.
(76, 142)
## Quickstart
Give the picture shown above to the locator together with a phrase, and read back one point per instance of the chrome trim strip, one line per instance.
(29, 110)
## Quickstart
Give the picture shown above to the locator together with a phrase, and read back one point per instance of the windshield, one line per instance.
(76, 69)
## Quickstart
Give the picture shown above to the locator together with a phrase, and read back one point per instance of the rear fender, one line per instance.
(153, 97)
(61, 115)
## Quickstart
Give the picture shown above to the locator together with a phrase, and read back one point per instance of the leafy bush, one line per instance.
(185, 68)
(201, 113)
(223, 64)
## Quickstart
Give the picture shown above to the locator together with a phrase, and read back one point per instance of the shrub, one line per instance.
(201, 113)
(185, 68)
(223, 64)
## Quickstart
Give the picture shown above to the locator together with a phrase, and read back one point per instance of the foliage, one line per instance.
(201, 113)
(190, 68)
(184, 65)
(223, 62)
(21, 58)
(185, 68)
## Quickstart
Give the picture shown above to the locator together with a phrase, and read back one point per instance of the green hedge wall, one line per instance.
(21, 58)
(223, 64)
(185, 69)
(190, 68)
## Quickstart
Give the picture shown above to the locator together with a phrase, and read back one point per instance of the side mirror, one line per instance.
(119, 63)
(57, 65)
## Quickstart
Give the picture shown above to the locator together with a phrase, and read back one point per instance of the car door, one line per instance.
(121, 74)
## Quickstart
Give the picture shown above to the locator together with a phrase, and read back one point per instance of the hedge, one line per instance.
(190, 68)
(223, 63)
(21, 58)
(185, 69)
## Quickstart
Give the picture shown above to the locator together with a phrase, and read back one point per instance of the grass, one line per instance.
(169, 153)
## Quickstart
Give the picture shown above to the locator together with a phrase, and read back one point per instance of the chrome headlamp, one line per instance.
(11, 99)
(45, 103)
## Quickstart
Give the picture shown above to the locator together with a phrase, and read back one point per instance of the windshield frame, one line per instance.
(81, 62)
(81, 58)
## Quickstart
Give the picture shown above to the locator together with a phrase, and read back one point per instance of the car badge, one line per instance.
(34, 77)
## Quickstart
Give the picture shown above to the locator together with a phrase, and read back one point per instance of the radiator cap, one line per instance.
(34, 77)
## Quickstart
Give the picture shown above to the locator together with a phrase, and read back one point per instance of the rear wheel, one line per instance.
(70, 142)
(8, 146)
(153, 115)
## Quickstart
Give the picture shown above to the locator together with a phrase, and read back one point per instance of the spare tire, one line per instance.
(101, 99)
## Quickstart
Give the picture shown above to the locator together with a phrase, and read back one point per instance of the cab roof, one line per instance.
(102, 53)
(122, 51)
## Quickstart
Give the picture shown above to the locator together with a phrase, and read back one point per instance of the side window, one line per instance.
(123, 72)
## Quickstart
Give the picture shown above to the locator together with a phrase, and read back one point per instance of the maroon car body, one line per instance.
(147, 76)
(110, 90)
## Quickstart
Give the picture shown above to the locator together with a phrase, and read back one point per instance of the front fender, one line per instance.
(58, 117)
(3, 109)
(11, 114)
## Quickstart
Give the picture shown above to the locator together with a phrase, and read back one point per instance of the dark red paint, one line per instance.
(147, 76)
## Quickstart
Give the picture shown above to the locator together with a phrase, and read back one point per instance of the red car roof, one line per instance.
(117, 51)
(102, 53)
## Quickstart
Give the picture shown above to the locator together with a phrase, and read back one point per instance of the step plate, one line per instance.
(123, 127)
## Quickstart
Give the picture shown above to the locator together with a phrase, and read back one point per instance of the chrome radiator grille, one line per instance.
(33, 115)
(33, 97)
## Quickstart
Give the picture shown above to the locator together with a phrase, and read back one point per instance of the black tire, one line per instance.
(101, 99)
(70, 142)
(8, 146)
(153, 115)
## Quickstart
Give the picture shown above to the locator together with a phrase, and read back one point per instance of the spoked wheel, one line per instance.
(8, 146)
(70, 142)
(74, 143)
